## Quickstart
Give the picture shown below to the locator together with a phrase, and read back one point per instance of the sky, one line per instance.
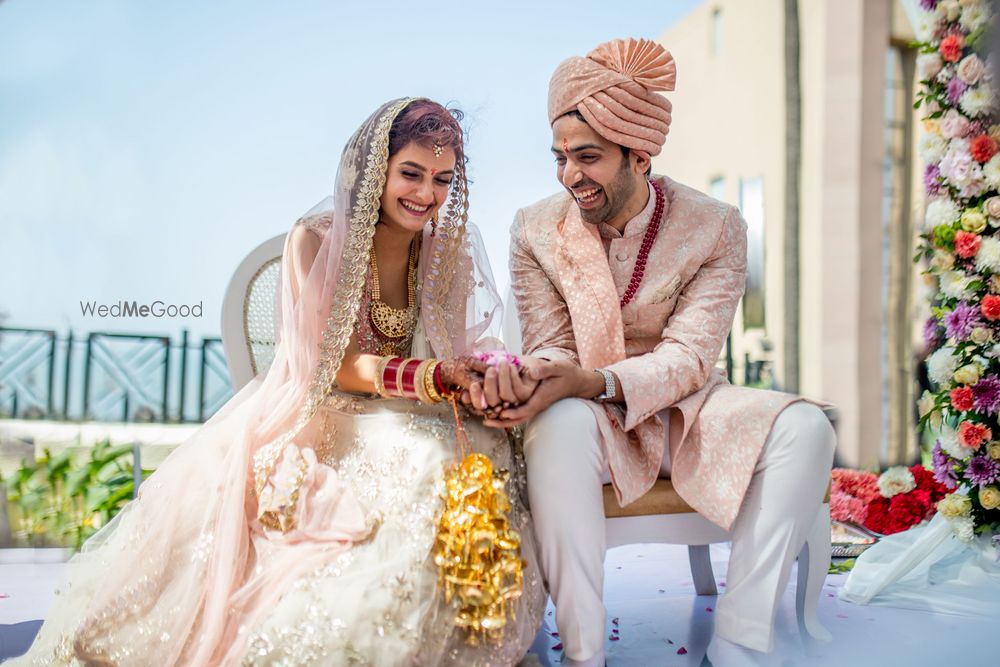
(146, 148)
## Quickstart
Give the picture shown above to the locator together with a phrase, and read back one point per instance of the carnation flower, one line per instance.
(942, 365)
(961, 398)
(972, 434)
(988, 257)
(941, 211)
(877, 518)
(971, 69)
(990, 306)
(987, 395)
(976, 101)
(951, 48)
(907, 510)
(847, 508)
(897, 479)
(982, 148)
(966, 244)
(982, 470)
(944, 469)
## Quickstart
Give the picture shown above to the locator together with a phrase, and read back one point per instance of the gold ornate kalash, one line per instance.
(478, 554)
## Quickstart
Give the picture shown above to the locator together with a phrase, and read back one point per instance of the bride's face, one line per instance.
(416, 184)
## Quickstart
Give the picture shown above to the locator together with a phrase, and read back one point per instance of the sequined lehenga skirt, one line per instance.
(377, 603)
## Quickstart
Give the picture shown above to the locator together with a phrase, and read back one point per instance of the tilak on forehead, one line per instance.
(615, 89)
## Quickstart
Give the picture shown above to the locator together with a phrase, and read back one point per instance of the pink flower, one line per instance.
(961, 398)
(990, 307)
(971, 434)
(966, 244)
(929, 65)
(982, 148)
(951, 48)
(954, 125)
(971, 69)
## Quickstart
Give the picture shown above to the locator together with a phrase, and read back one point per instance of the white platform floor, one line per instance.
(650, 594)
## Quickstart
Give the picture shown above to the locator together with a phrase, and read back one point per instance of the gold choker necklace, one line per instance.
(395, 322)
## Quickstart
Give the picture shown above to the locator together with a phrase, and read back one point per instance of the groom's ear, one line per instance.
(642, 163)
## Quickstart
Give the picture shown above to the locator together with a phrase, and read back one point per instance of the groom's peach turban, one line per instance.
(614, 89)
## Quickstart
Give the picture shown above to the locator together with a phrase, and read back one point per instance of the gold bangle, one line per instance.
(379, 372)
(418, 381)
(429, 387)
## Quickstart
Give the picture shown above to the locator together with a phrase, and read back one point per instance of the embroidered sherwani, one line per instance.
(568, 277)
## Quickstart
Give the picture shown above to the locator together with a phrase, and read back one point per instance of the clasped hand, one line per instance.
(506, 396)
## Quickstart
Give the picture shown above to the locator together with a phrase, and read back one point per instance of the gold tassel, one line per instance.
(478, 554)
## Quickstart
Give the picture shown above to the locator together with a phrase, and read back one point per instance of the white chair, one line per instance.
(249, 333)
(659, 517)
(662, 517)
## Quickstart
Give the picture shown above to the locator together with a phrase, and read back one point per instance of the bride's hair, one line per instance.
(428, 124)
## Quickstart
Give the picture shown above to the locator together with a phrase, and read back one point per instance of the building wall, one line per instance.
(729, 120)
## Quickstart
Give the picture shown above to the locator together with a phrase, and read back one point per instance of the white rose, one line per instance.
(895, 480)
(981, 336)
(954, 505)
(968, 374)
(992, 207)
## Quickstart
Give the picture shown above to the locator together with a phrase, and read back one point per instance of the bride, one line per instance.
(298, 525)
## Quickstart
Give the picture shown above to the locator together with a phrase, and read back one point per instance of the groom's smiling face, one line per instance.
(599, 174)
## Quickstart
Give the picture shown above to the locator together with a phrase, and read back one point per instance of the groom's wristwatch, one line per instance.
(610, 389)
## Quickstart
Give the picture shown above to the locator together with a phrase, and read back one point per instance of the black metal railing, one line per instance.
(110, 376)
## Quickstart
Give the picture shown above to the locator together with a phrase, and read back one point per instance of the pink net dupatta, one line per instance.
(243, 508)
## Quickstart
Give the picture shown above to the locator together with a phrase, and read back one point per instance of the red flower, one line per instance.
(907, 510)
(926, 482)
(990, 307)
(972, 435)
(983, 148)
(951, 48)
(966, 244)
(877, 518)
(961, 398)
(857, 483)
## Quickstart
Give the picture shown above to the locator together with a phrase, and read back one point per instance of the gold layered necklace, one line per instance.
(394, 323)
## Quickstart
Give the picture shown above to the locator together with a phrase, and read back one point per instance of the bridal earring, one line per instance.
(434, 224)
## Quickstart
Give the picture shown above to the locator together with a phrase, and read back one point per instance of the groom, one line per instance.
(626, 285)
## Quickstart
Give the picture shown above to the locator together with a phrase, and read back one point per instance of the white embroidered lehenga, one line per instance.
(297, 526)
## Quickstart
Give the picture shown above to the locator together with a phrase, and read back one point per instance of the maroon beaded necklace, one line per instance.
(647, 243)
